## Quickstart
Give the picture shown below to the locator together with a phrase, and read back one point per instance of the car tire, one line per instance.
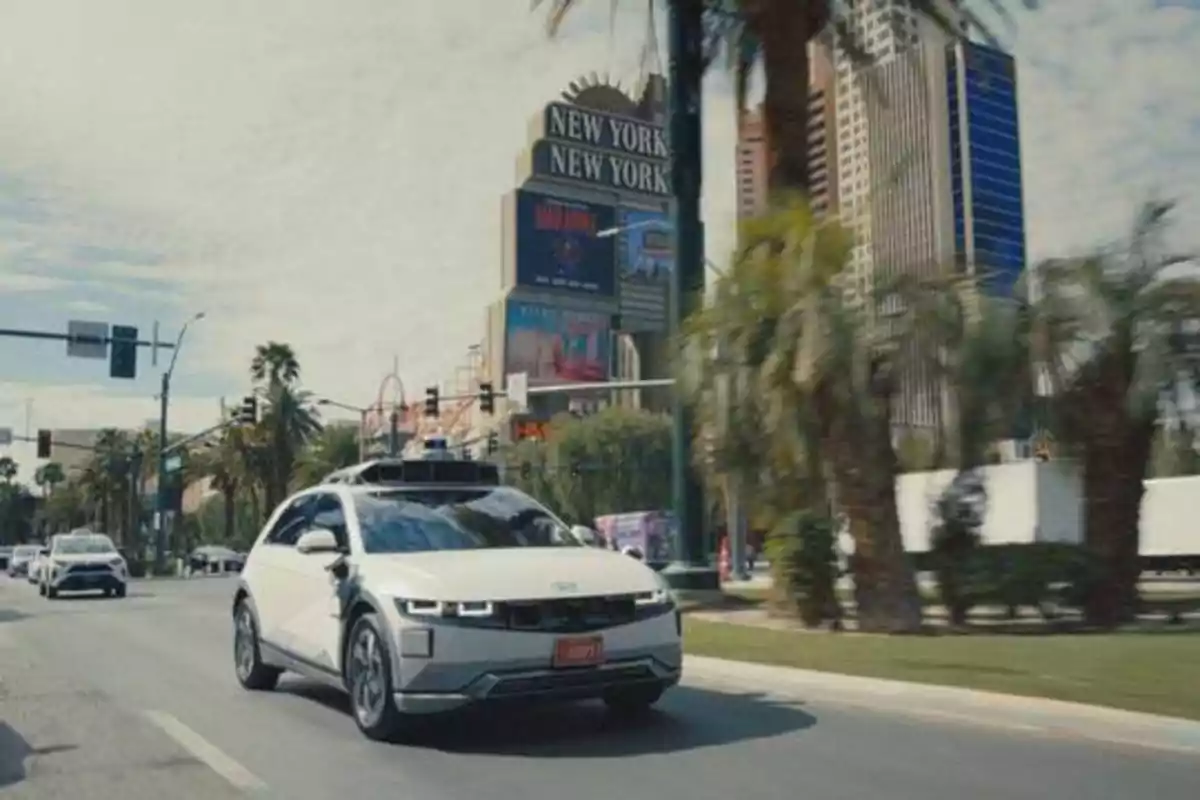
(251, 672)
(368, 674)
(632, 700)
(51, 593)
(119, 592)
(42, 589)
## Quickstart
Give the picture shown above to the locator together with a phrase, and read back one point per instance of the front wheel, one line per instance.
(119, 591)
(252, 673)
(369, 679)
(42, 589)
(632, 700)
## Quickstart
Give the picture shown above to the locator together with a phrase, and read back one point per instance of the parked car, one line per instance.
(215, 559)
(22, 555)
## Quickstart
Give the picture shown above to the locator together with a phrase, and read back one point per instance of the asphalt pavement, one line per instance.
(135, 699)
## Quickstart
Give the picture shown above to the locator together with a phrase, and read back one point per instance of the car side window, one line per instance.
(331, 515)
(291, 523)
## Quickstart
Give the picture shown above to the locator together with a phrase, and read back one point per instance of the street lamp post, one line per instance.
(362, 422)
(164, 397)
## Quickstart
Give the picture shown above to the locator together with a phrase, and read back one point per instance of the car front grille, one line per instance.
(574, 615)
(76, 569)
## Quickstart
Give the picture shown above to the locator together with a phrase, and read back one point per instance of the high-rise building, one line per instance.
(929, 165)
(985, 164)
(754, 152)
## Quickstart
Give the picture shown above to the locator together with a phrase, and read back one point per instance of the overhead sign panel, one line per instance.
(87, 339)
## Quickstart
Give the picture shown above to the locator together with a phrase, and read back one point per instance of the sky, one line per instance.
(329, 173)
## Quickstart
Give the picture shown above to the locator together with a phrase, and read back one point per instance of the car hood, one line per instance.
(525, 573)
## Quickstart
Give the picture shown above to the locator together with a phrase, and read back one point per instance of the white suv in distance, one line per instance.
(423, 586)
(83, 562)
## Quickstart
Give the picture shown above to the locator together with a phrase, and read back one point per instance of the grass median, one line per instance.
(1150, 671)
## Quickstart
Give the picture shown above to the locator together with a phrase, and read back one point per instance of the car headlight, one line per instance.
(444, 608)
(659, 596)
(117, 562)
(58, 564)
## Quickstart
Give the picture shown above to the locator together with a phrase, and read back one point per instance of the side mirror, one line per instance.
(319, 540)
(586, 534)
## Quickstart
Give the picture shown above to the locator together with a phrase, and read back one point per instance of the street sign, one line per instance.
(5, 437)
(87, 339)
(517, 392)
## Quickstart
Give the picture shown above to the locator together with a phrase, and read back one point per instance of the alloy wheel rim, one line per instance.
(368, 678)
(244, 644)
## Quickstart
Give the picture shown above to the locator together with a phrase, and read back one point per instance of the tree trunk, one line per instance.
(230, 498)
(784, 30)
(1114, 468)
(865, 466)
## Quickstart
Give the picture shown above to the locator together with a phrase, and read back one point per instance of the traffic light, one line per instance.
(43, 444)
(122, 361)
(487, 398)
(493, 443)
(431, 401)
(248, 413)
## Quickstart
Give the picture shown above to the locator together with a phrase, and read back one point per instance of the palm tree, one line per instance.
(275, 363)
(8, 469)
(1112, 332)
(48, 476)
(799, 407)
(334, 448)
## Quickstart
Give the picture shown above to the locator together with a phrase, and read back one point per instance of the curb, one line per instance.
(1015, 713)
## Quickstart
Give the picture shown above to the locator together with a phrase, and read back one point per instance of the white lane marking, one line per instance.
(206, 751)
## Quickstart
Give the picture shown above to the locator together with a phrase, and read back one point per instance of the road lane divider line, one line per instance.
(208, 753)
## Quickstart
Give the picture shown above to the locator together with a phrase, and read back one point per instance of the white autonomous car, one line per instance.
(421, 586)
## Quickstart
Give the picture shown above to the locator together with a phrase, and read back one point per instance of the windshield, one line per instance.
(74, 545)
(456, 519)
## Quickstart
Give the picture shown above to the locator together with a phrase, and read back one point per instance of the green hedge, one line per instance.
(1045, 576)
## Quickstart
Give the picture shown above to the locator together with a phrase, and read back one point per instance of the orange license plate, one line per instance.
(579, 651)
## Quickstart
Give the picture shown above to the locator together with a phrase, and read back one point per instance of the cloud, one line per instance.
(330, 174)
(24, 282)
(88, 307)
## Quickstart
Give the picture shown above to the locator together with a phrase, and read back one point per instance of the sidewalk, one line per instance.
(1026, 715)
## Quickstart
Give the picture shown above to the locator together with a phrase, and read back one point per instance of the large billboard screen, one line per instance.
(556, 345)
(647, 252)
(557, 245)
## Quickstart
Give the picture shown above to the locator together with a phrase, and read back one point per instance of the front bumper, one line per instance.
(472, 666)
(75, 581)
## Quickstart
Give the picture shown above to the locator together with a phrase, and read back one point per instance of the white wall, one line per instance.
(1170, 520)
(1031, 501)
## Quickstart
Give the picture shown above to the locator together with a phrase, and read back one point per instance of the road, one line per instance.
(136, 699)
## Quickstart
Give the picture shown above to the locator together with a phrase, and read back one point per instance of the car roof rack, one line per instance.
(426, 471)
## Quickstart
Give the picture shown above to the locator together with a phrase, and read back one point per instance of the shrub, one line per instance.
(955, 538)
(803, 555)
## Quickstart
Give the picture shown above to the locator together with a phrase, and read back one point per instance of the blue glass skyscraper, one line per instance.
(985, 164)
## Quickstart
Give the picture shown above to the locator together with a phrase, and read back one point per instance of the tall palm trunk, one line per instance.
(864, 469)
(1116, 454)
(784, 29)
(229, 496)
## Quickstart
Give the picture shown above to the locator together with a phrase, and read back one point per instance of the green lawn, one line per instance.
(1155, 672)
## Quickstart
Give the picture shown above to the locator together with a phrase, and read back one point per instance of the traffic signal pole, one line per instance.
(685, 47)
(160, 505)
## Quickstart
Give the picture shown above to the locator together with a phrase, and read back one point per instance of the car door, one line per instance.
(272, 582)
(313, 628)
